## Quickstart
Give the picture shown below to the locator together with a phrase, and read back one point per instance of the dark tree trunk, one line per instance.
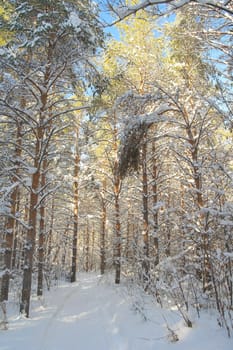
(145, 259)
(41, 234)
(87, 248)
(155, 202)
(11, 222)
(29, 246)
(15, 254)
(117, 190)
(76, 208)
(103, 231)
(117, 243)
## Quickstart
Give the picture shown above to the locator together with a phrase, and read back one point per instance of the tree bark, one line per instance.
(155, 202)
(29, 246)
(103, 231)
(87, 248)
(15, 256)
(145, 213)
(76, 208)
(11, 222)
(203, 247)
(41, 234)
(117, 257)
(117, 190)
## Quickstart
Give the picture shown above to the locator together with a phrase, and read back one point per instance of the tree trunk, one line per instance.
(168, 224)
(155, 202)
(29, 245)
(92, 255)
(117, 189)
(15, 256)
(65, 252)
(117, 241)
(48, 244)
(128, 232)
(145, 259)
(103, 231)
(203, 247)
(41, 234)
(76, 208)
(40, 154)
(87, 243)
(10, 224)
(7, 262)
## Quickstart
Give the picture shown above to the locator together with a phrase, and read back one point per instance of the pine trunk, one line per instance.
(76, 208)
(155, 202)
(203, 247)
(87, 248)
(15, 254)
(117, 258)
(145, 261)
(103, 231)
(11, 222)
(117, 189)
(29, 246)
(41, 234)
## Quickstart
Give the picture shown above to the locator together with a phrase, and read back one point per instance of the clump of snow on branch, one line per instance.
(131, 141)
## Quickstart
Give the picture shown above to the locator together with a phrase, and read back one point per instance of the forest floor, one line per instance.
(95, 314)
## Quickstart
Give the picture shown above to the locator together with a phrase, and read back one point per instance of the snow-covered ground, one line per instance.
(94, 314)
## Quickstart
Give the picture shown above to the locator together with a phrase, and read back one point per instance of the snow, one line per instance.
(93, 313)
(2, 51)
(226, 222)
(74, 21)
(229, 255)
(31, 170)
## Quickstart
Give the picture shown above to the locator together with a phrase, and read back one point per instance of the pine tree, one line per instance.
(133, 58)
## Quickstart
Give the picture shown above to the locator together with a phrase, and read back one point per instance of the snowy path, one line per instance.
(82, 315)
(91, 316)
(94, 315)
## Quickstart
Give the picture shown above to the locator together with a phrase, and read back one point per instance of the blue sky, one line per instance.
(112, 30)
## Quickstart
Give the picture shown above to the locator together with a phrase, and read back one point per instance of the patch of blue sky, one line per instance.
(107, 20)
(164, 16)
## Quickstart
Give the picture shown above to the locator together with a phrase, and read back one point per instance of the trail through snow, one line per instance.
(94, 314)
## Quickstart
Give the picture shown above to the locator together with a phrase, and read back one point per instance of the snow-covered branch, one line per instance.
(133, 135)
(124, 11)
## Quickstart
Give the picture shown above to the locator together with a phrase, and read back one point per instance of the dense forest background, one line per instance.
(116, 148)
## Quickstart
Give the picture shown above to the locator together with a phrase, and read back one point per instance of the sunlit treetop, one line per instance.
(6, 10)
